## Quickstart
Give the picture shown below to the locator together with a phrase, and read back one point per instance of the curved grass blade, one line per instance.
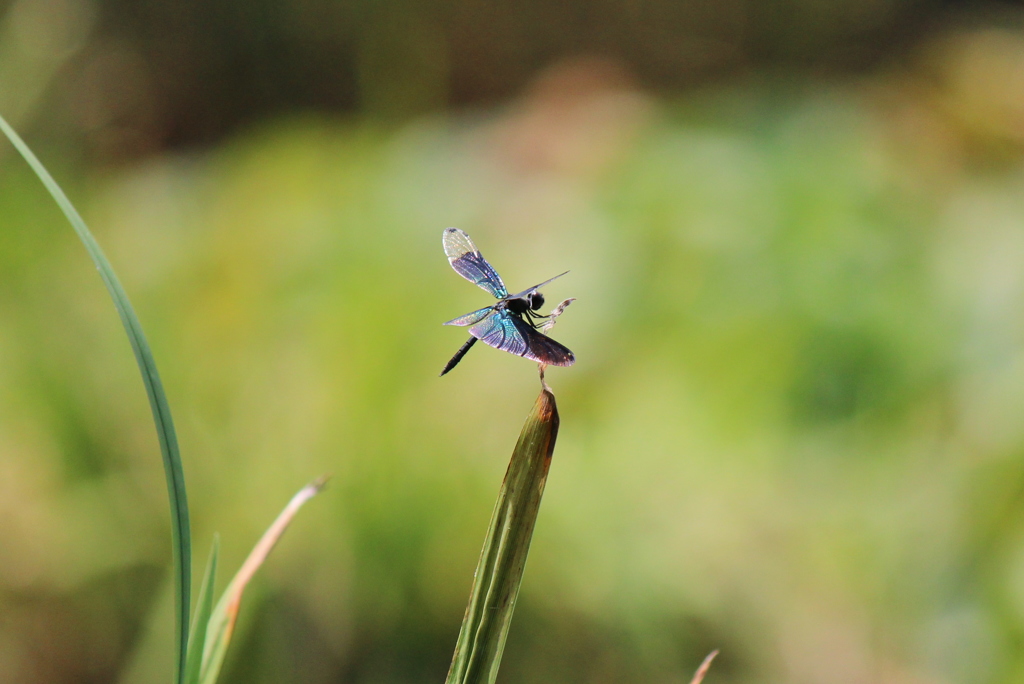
(181, 536)
(499, 571)
(204, 607)
(222, 621)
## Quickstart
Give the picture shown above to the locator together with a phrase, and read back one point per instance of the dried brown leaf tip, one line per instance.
(546, 411)
(698, 676)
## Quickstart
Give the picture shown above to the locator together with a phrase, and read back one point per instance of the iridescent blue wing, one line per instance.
(472, 317)
(500, 332)
(467, 261)
(512, 334)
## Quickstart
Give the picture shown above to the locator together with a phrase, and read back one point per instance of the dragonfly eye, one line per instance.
(536, 300)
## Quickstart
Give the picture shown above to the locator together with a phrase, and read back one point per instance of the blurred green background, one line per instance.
(794, 431)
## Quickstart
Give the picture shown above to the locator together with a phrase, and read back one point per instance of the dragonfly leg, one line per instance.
(530, 316)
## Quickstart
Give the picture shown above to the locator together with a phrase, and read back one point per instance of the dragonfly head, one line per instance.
(536, 300)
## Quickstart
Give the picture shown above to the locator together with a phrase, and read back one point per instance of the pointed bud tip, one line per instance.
(547, 409)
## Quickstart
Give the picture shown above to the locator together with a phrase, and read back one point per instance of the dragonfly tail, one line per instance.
(463, 350)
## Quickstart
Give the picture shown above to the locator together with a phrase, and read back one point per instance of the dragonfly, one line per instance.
(511, 323)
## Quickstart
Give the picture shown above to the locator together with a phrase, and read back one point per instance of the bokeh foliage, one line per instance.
(793, 431)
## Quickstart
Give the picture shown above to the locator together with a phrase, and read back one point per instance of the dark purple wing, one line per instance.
(467, 261)
(542, 348)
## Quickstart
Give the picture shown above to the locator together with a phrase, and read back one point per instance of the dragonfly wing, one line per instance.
(467, 261)
(536, 287)
(514, 335)
(540, 347)
(500, 332)
(472, 317)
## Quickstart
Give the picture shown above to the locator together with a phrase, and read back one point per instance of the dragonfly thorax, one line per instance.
(520, 305)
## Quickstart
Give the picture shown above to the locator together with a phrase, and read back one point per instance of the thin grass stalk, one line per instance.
(181, 536)
(499, 572)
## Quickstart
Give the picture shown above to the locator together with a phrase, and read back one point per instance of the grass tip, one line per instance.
(698, 676)
(320, 484)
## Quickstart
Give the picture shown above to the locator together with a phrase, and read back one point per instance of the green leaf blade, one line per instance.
(204, 608)
(499, 572)
(180, 531)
